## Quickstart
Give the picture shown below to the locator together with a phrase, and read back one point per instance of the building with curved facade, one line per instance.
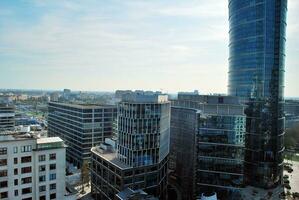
(139, 157)
(256, 74)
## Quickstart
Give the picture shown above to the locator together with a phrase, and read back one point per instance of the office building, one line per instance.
(141, 158)
(182, 157)
(31, 168)
(54, 96)
(7, 117)
(81, 126)
(214, 127)
(256, 74)
(291, 113)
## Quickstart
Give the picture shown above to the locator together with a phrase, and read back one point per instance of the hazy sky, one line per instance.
(172, 45)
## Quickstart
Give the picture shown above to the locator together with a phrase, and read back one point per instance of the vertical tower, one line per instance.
(256, 74)
(143, 128)
(140, 161)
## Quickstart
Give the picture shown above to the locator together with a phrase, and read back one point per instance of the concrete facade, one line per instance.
(32, 168)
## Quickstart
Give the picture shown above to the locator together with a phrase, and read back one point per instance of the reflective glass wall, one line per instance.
(256, 73)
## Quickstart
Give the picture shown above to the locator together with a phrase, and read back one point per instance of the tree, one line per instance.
(84, 174)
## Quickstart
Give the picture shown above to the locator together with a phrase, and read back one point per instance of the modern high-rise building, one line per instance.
(81, 126)
(31, 168)
(183, 142)
(140, 158)
(256, 74)
(7, 117)
(207, 137)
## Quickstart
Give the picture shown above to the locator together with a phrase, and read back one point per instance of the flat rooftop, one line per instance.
(48, 140)
(140, 96)
(83, 106)
(110, 157)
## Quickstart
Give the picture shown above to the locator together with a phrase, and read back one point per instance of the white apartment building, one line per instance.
(31, 168)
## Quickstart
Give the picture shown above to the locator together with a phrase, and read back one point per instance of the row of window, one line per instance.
(42, 168)
(52, 156)
(42, 188)
(28, 190)
(43, 177)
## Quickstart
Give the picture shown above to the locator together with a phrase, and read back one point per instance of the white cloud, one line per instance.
(177, 44)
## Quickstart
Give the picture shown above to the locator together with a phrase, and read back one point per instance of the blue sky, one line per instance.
(169, 45)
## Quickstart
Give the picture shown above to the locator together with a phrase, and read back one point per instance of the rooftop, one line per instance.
(110, 156)
(48, 140)
(128, 194)
(141, 96)
(42, 142)
(211, 109)
(83, 106)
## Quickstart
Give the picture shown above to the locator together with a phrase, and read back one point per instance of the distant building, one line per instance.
(66, 94)
(119, 93)
(291, 113)
(31, 168)
(7, 117)
(217, 125)
(54, 96)
(81, 126)
(141, 158)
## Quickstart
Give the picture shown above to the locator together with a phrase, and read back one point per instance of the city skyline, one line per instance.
(173, 46)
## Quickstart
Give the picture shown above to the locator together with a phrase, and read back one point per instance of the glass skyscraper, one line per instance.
(256, 73)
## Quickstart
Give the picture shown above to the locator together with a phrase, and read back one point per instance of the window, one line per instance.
(53, 196)
(16, 192)
(3, 151)
(27, 190)
(26, 180)
(15, 160)
(15, 171)
(3, 195)
(53, 186)
(16, 181)
(25, 170)
(42, 168)
(15, 149)
(220, 100)
(52, 156)
(42, 197)
(26, 148)
(41, 158)
(3, 173)
(52, 177)
(29, 198)
(3, 184)
(42, 188)
(52, 166)
(26, 159)
(3, 162)
(42, 178)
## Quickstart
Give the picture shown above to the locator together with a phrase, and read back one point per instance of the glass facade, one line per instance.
(256, 73)
(7, 117)
(143, 132)
(220, 153)
(219, 148)
(182, 158)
